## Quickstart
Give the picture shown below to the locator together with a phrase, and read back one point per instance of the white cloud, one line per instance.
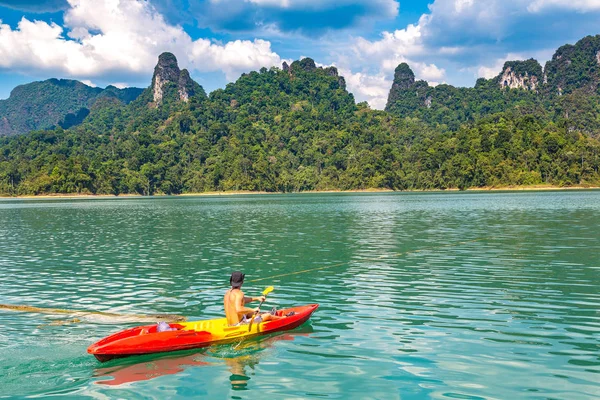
(577, 5)
(492, 70)
(383, 56)
(365, 87)
(272, 3)
(120, 85)
(120, 37)
(460, 5)
(388, 7)
(309, 18)
(429, 72)
(400, 43)
(480, 20)
(473, 36)
(489, 72)
(33, 43)
(464, 19)
(371, 88)
(374, 88)
(234, 57)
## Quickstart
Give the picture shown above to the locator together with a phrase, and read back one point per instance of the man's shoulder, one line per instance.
(234, 293)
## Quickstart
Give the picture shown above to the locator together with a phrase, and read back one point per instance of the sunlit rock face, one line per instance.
(525, 75)
(167, 71)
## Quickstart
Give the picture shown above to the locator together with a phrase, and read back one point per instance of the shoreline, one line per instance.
(533, 188)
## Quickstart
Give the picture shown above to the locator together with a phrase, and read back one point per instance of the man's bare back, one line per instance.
(235, 303)
(235, 306)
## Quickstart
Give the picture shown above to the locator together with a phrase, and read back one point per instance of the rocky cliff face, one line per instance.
(404, 79)
(525, 75)
(573, 69)
(308, 65)
(167, 73)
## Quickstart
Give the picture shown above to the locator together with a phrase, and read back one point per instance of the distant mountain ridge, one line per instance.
(571, 77)
(574, 70)
(54, 102)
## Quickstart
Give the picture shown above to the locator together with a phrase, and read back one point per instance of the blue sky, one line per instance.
(117, 42)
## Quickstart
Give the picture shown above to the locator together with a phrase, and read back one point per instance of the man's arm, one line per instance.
(239, 305)
(251, 299)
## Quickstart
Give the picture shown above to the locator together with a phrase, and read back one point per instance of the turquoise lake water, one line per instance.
(422, 295)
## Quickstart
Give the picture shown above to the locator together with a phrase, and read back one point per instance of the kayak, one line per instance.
(148, 339)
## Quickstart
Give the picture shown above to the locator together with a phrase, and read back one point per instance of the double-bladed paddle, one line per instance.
(265, 293)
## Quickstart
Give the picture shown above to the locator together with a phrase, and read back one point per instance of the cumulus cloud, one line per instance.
(429, 72)
(378, 59)
(307, 17)
(390, 7)
(526, 23)
(578, 5)
(370, 88)
(89, 83)
(493, 69)
(120, 37)
(402, 42)
(36, 6)
(473, 36)
(233, 57)
(402, 45)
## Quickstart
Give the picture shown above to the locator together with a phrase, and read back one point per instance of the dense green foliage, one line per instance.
(567, 88)
(54, 102)
(298, 129)
(449, 107)
(575, 67)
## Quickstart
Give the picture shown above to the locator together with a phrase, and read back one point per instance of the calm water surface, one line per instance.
(440, 295)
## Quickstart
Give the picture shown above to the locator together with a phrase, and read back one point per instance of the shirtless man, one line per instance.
(235, 303)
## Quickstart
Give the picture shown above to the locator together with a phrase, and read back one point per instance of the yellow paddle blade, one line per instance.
(268, 290)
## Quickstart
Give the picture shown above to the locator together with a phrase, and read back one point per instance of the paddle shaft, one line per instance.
(256, 313)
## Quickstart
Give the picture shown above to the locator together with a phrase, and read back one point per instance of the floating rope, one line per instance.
(83, 313)
(362, 260)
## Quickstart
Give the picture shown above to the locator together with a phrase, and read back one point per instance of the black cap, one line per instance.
(237, 278)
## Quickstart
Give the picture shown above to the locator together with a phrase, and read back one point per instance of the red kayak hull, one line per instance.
(190, 335)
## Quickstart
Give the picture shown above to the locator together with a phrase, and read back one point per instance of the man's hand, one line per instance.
(256, 310)
(262, 298)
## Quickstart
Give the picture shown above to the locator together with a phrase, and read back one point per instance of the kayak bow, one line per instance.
(189, 335)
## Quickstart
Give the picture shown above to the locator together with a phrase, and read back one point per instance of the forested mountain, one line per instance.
(297, 128)
(54, 102)
(567, 90)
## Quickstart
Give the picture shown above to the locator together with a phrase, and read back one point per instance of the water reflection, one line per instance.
(148, 369)
(242, 358)
(237, 366)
